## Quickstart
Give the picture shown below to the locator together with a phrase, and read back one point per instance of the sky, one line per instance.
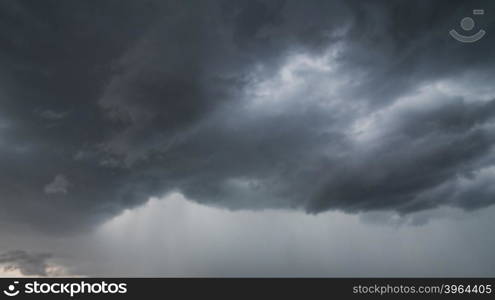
(245, 138)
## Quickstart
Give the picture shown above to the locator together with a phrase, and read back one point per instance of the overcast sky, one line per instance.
(246, 138)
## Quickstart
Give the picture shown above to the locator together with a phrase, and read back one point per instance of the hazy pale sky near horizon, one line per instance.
(246, 138)
(173, 236)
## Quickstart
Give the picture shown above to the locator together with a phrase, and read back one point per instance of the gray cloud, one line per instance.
(29, 264)
(183, 238)
(53, 115)
(59, 185)
(314, 106)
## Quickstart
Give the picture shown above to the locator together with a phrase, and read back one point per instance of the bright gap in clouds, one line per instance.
(176, 237)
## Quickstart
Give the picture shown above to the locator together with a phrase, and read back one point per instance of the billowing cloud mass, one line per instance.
(33, 264)
(354, 106)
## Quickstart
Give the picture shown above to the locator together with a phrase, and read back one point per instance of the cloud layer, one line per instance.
(173, 236)
(321, 105)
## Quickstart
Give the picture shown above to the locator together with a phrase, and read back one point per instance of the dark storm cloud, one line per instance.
(28, 264)
(313, 105)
